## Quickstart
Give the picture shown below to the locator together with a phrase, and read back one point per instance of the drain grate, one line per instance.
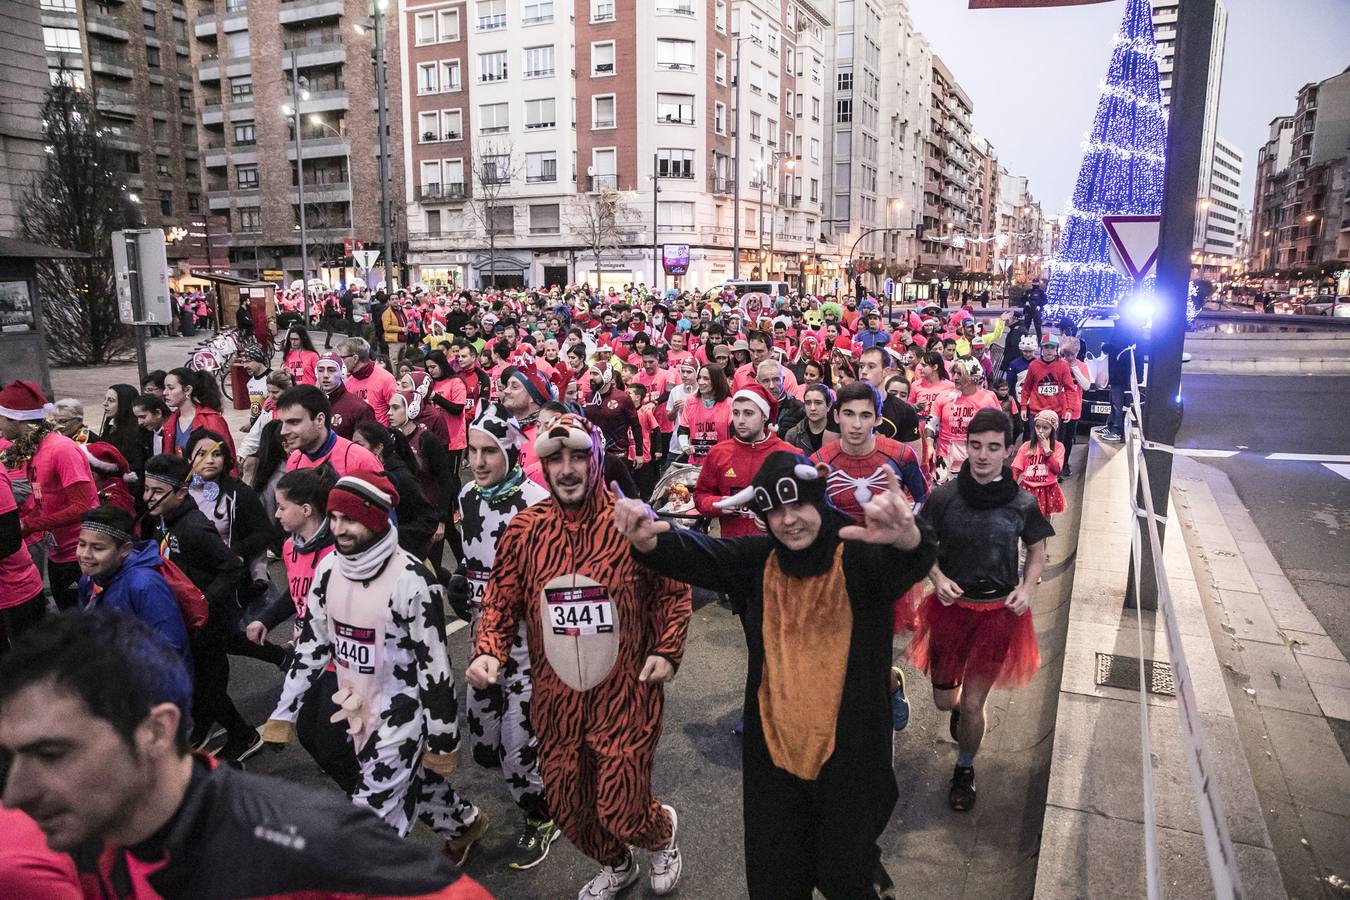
(1115, 670)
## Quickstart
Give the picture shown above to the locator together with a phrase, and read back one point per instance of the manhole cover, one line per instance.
(1115, 670)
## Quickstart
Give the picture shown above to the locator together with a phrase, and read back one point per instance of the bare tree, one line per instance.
(494, 167)
(600, 219)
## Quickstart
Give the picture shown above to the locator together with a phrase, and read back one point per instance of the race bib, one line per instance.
(579, 610)
(478, 579)
(354, 648)
(1047, 390)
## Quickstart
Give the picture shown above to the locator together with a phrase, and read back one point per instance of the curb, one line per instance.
(1339, 365)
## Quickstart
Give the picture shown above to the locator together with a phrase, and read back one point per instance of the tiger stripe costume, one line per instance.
(595, 746)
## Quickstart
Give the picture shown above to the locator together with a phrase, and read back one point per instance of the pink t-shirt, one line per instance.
(453, 391)
(19, 576)
(375, 387)
(345, 457)
(301, 363)
(707, 426)
(657, 385)
(922, 395)
(954, 412)
(58, 465)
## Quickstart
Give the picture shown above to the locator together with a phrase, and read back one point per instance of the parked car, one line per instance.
(1321, 305)
(1093, 334)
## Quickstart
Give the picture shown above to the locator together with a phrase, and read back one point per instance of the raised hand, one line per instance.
(636, 521)
(887, 518)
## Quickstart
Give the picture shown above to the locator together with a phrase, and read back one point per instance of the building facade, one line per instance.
(23, 80)
(949, 176)
(906, 104)
(248, 56)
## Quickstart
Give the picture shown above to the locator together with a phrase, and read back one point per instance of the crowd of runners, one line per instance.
(559, 469)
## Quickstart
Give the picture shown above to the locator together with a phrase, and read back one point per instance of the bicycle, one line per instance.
(216, 356)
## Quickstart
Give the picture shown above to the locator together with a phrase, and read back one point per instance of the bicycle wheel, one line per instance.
(226, 383)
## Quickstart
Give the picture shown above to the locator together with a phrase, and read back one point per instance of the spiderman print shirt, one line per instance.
(854, 479)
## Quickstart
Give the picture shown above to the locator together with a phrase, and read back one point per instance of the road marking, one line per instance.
(1206, 454)
(455, 626)
(1341, 470)
(1310, 457)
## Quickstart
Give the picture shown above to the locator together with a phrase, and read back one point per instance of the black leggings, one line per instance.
(15, 620)
(211, 687)
(1068, 432)
(64, 579)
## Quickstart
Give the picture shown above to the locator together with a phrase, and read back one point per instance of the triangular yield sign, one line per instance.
(365, 259)
(1135, 239)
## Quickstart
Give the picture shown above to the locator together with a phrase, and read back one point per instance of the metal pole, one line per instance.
(1162, 412)
(656, 192)
(773, 213)
(759, 216)
(736, 169)
(137, 302)
(382, 103)
(300, 182)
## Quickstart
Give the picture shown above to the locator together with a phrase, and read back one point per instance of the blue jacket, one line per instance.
(137, 588)
(869, 338)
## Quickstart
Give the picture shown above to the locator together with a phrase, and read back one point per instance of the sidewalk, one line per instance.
(1284, 677)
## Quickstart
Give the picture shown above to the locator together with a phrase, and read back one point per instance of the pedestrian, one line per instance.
(366, 378)
(951, 415)
(811, 433)
(22, 603)
(731, 464)
(119, 426)
(349, 410)
(195, 402)
(615, 633)
(375, 613)
(1038, 463)
(1080, 381)
(974, 632)
(300, 356)
(151, 412)
(419, 522)
(706, 417)
(141, 816)
(305, 413)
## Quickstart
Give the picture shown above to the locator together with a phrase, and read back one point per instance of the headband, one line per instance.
(112, 531)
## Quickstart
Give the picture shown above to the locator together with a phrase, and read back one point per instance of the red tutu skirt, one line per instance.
(907, 607)
(1049, 498)
(984, 642)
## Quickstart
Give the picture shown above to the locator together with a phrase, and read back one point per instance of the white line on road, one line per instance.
(1341, 470)
(1309, 457)
(455, 626)
(1206, 454)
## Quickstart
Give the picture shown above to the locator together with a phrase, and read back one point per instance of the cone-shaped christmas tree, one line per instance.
(1122, 172)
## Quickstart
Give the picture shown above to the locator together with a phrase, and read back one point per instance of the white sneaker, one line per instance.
(666, 863)
(610, 882)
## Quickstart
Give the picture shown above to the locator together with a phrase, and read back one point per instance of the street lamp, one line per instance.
(299, 92)
(762, 166)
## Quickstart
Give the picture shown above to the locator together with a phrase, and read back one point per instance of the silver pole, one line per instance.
(300, 171)
(382, 102)
(736, 169)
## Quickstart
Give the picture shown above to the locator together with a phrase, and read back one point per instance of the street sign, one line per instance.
(1134, 244)
(675, 258)
(274, 275)
(888, 285)
(140, 268)
(365, 259)
(1005, 263)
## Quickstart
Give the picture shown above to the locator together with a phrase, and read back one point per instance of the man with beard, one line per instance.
(731, 464)
(500, 734)
(524, 392)
(819, 786)
(348, 409)
(604, 635)
(375, 612)
(304, 413)
(612, 412)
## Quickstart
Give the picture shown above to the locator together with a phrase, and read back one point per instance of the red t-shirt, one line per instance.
(454, 391)
(20, 577)
(58, 465)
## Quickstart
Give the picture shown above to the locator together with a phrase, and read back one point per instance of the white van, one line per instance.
(772, 288)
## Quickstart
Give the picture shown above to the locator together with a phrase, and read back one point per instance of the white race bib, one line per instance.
(1047, 390)
(574, 611)
(354, 648)
(478, 579)
(580, 630)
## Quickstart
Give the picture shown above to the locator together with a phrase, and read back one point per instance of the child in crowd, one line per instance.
(1038, 461)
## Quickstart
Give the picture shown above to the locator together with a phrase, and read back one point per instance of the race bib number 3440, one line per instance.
(354, 648)
(579, 610)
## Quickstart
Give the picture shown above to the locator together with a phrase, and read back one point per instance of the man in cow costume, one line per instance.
(498, 718)
(376, 613)
(604, 635)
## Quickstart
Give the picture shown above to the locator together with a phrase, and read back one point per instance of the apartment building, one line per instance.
(557, 142)
(247, 55)
(22, 83)
(949, 177)
(1217, 254)
(1020, 218)
(133, 59)
(1300, 223)
(984, 206)
(906, 104)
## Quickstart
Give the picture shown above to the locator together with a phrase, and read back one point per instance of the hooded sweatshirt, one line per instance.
(137, 588)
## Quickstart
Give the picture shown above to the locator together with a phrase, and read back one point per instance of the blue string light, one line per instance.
(1121, 174)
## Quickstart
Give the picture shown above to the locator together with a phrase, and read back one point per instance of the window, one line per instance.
(720, 16)
(604, 112)
(250, 219)
(845, 81)
(773, 42)
(815, 149)
(719, 67)
(194, 203)
(241, 88)
(755, 130)
(131, 163)
(674, 163)
(148, 20)
(676, 214)
(545, 218)
(602, 58)
(815, 189)
(244, 135)
(454, 176)
(603, 163)
(452, 125)
(542, 166)
(501, 220)
(428, 127)
(843, 45)
(425, 28)
(536, 12)
(675, 55)
(602, 10)
(448, 21)
(433, 222)
(492, 66)
(773, 132)
(152, 57)
(449, 75)
(497, 168)
(246, 177)
(541, 113)
(238, 41)
(719, 117)
(431, 177)
(843, 110)
(815, 109)
(756, 78)
(428, 78)
(675, 108)
(843, 144)
(59, 5)
(494, 117)
(675, 7)
(539, 61)
(491, 15)
(162, 166)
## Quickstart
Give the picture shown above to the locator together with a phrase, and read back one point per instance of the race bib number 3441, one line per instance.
(354, 648)
(579, 610)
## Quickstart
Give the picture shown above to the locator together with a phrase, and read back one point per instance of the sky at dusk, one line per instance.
(1034, 75)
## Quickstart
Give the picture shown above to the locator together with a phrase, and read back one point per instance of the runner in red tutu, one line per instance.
(975, 632)
(1038, 462)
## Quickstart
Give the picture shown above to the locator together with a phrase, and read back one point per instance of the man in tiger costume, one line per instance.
(604, 635)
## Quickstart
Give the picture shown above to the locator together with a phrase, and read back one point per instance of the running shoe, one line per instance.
(202, 738)
(899, 702)
(961, 797)
(611, 881)
(238, 749)
(1114, 437)
(536, 837)
(458, 849)
(666, 863)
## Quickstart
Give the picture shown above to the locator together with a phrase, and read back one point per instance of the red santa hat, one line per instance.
(844, 344)
(105, 459)
(366, 497)
(767, 403)
(24, 401)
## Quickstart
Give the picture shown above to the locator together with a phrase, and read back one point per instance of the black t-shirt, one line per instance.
(978, 547)
(898, 421)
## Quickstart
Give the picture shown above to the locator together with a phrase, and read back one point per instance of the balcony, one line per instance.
(326, 192)
(792, 201)
(205, 26)
(106, 26)
(208, 69)
(675, 8)
(110, 100)
(723, 185)
(318, 148)
(213, 113)
(102, 64)
(323, 101)
(303, 10)
(316, 49)
(431, 193)
(604, 182)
